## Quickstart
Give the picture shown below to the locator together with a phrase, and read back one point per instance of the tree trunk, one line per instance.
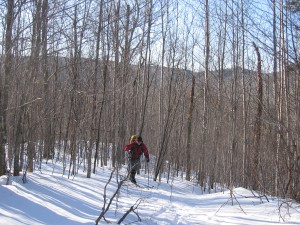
(202, 159)
(4, 79)
(95, 129)
(147, 68)
(33, 69)
(189, 131)
(48, 133)
(257, 125)
(161, 138)
(244, 100)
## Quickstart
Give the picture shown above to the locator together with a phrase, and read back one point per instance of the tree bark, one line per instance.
(4, 83)
(202, 158)
(258, 122)
(189, 131)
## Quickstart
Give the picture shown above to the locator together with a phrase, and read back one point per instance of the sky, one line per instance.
(52, 199)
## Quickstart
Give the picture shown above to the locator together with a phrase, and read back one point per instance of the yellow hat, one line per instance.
(133, 138)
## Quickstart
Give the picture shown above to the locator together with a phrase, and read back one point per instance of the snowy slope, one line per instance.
(52, 199)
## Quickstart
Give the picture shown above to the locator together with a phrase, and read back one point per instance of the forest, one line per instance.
(211, 86)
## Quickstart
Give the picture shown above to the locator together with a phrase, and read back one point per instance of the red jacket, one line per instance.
(137, 150)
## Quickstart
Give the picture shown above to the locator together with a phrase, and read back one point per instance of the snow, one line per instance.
(50, 198)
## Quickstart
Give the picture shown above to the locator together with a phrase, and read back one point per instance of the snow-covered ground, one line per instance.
(52, 199)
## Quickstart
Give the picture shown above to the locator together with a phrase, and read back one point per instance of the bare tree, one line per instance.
(258, 123)
(162, 135)
(49, 138)
(4, 88)
(95, 136)
(147, 65)
(202, 158)
(189, 131)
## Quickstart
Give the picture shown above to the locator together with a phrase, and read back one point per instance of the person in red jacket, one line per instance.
(136, 149)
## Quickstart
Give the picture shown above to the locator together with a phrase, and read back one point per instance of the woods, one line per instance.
(79, 77)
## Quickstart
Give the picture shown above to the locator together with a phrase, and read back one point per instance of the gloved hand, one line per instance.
(147, 160)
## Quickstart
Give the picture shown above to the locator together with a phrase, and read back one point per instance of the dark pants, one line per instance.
(134, 166)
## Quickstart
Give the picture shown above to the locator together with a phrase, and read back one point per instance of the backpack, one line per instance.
(134, 151)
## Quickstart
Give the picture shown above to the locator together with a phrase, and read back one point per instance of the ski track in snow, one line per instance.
(52, 199)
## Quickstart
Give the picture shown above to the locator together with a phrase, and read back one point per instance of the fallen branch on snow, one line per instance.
(131, 209)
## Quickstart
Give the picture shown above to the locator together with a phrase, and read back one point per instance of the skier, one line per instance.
(136, 148)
